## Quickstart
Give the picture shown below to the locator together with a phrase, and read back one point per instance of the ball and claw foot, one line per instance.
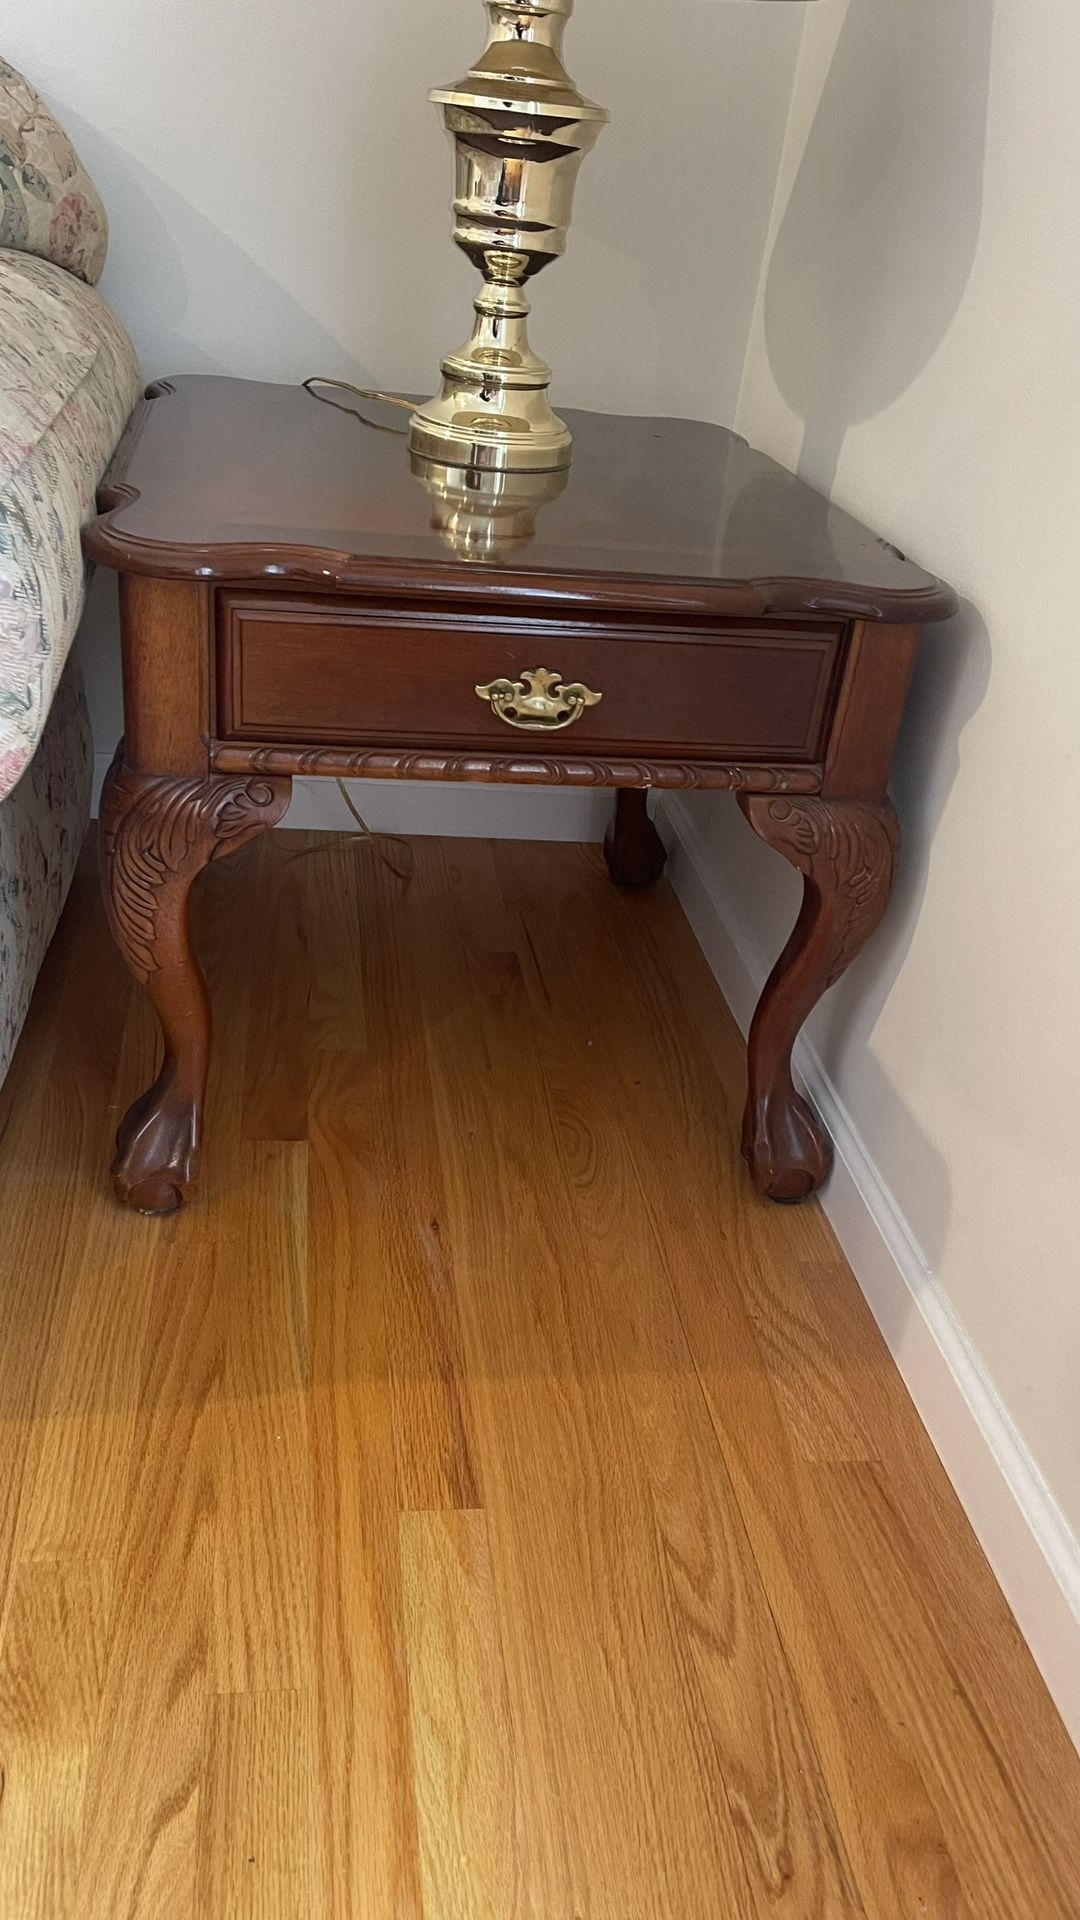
(157, 1154)
(787, 1150)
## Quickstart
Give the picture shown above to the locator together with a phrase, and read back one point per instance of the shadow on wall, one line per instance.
(334, 294)
(232, 316)
(871, 262)
(881, 229)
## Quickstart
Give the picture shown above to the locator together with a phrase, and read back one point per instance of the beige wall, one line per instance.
(917, 350)
(279, 186)
(279, 195)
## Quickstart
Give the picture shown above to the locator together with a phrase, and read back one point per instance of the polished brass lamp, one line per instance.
(520, 129)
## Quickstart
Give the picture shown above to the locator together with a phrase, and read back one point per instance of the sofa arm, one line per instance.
(48, 202)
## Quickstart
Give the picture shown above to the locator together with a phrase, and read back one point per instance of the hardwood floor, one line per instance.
(479, 1506)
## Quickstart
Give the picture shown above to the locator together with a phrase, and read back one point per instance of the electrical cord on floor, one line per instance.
(399, 864)
(381, 842)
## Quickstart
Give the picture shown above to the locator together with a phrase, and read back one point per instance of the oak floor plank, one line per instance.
(996, 1669)
(138, 1851)
(688, 1174)
(815, 1380)
(50, 1683)
(366, 1802)
(464, 1756)
(53, 1161)
(792, 1847)
(263, 1597)
(260, 1841)
(602, 1570)
(1002, 1864)
(895, 1838)
(619, 1776)
(993, 1664)
(278, 1056)
(433, 1424)
(819, 1399)
(338, 902)
(85, 1426)
(794, 1249)
(80, 1454)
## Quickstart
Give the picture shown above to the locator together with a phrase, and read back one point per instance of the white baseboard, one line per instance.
(1025, 1536)
(448, 807)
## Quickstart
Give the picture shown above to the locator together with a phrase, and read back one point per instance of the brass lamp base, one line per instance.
(497, 445)
(520, 129)
(493, 411)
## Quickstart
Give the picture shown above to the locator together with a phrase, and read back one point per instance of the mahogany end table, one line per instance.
(297, 598)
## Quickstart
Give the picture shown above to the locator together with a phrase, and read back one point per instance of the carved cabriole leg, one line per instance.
(633, 849)
(157, 834)
(847, 851)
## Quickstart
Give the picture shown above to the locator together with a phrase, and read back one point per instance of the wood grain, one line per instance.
(973, 1621)
(263, 1599)
(50, 1682)
(138, 1848)
(897, 1845)
(333, 895)
(463, 1746)
(367, 1807)
(820, 1405)
(617, 1772)
(998, 1856)
(85, 1427)
(277, 1058)
(89, 1378)
(793, 1851)
(53, 1151)
(481, 1505)
(260, 1841)
(434, 1440)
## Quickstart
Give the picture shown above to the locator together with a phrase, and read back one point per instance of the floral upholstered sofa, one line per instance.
(68, 382)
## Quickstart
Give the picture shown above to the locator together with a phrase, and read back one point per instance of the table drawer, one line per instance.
(298, 672)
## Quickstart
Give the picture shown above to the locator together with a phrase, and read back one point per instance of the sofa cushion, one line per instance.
(42, 827)
(48, 203)
(68, 382)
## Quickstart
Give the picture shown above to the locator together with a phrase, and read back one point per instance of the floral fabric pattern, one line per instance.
(42, 827)
(68, 383)
(48, 203)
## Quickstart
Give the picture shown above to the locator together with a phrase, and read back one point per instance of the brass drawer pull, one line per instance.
(538, 701)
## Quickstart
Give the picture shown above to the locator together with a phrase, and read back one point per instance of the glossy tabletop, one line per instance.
(241, 480)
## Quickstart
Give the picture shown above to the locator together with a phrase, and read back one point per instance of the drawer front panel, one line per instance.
(299, 674)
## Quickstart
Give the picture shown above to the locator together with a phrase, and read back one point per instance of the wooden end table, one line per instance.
(298, 598)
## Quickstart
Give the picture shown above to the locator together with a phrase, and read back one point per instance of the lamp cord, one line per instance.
(402, 865)
(363, 393)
